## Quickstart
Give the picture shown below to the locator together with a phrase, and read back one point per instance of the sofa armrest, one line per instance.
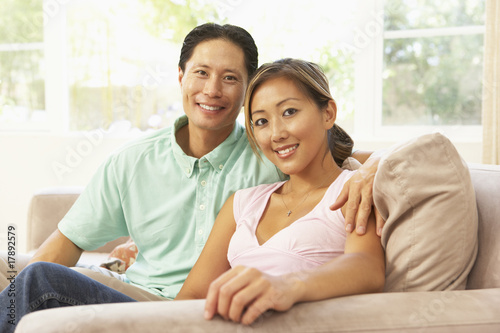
(447, 311)
(47, 207)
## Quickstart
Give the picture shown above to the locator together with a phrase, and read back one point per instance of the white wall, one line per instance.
(29, 162)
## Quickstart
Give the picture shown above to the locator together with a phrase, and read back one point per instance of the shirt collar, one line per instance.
(216, 158)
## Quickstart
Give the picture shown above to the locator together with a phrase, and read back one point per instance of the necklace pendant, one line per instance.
(289, 212)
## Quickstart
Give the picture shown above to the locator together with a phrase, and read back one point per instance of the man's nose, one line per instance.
(213, 87)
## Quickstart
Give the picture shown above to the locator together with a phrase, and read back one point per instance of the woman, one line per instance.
(278, 244)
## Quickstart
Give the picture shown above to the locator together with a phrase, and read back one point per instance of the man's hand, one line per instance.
(357, 198)
(242, 294)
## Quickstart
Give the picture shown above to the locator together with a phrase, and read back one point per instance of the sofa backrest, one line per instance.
(47, 207)
(486, 270)
(50, 205)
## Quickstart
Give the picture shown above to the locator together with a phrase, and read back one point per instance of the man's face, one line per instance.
(213, 86)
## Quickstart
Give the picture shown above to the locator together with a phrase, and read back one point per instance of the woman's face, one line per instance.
(289, 128)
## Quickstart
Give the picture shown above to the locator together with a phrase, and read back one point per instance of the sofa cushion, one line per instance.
(424, 191)
(486, 270)
(446, 311)
(122, 257)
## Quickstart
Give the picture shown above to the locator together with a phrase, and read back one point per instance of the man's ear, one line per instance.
(181, 75)
(330, 114)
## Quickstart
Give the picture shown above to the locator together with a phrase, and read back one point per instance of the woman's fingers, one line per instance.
(246, 297)
(212, 300)
(256, 309)
(364, 209)
(229, 294)
(243, 294)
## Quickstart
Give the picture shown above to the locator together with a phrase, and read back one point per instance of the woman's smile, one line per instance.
(286, 151)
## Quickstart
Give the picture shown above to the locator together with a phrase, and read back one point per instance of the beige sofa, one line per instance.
(476, 309)
(46, 209)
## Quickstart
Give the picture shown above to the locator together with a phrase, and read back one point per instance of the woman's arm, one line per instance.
(213, 259)
(243, 294)
(361, 269)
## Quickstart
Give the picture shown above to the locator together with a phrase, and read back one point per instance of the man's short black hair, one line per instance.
(231, 33)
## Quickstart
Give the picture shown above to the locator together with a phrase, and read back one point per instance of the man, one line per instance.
(164, 190)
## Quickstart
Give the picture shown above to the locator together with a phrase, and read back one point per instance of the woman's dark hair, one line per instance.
(312, 81)
(231, 33)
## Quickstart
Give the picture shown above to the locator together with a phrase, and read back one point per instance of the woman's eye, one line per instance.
(289, 112)
(260, 122)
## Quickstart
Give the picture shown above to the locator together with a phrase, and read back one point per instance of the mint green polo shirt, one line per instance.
(165, 200)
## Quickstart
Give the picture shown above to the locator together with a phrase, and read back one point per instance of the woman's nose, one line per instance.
(279, 131)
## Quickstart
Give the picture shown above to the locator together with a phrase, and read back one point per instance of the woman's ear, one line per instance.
(330, 114)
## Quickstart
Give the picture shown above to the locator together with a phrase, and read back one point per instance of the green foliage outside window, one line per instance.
(122, 60)
(21, 58)
(433, 80)
(22, 21)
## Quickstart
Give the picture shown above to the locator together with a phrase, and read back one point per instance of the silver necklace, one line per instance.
(289, 211)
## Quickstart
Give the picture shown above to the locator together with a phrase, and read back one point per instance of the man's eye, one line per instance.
(260, 122)
(201, 72)
(289, 112)
(230, 78)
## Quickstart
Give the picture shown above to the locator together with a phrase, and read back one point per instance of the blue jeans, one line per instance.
(45, 285)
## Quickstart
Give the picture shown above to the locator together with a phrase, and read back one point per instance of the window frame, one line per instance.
(23, 126)
(369, 81)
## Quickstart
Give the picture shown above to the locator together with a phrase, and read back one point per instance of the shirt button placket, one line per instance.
(202, 202)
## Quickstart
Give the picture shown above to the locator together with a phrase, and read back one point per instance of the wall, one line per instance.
(31, 162)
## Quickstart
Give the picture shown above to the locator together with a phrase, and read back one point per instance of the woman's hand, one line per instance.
(242, 294)
(357, 198)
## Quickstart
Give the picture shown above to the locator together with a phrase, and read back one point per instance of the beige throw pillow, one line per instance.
(424, 192)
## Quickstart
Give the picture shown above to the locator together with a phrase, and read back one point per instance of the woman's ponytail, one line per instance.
(340, 144)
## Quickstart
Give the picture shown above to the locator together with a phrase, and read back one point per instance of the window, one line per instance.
(418, 69)
(396, 68)
(22, 86)
(433, 62)
(122, 61)
(123, 54)
(311, 30)
(113, 64)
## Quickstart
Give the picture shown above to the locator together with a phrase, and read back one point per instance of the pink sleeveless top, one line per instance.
(308, 242)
